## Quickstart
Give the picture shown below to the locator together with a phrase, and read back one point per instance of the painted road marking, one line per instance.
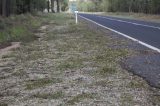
(131, 23)
(127, 36)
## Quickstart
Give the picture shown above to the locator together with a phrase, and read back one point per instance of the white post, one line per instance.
(76, 12)
(76, 19)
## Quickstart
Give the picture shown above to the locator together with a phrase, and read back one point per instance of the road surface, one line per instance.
(146, 33)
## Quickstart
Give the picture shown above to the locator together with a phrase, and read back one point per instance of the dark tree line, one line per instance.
(61, 5)
(5, 9)
(139, 6)
(52, 2)
(8, 7)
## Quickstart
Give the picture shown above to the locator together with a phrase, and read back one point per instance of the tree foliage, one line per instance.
(90, 5)
(139, 6)
(8, 7)
(64, 5)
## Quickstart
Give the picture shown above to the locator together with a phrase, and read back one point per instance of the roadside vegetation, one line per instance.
(135, 6)
(19, 28)
(70, 64)
(19, 19)
(146, 10)
(62, 63)
(9, 7)
(137, 16)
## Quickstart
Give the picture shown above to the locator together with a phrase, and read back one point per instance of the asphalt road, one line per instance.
(146, 32)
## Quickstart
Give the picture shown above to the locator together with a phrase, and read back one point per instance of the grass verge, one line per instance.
(56, 95)
(72, 65)
(80, 97)
(18, 28)
(41, 83)
(139, 16)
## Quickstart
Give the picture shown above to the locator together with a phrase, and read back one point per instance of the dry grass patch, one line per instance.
(3, 104)
(56, 95)
(41, 83)
(139, 16)
(103, 83)
(135, 84)
(127, 100)
(80, 97)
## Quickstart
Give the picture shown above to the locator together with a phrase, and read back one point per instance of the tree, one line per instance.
(23, 6)
(138, 6)
(58, 9)
(48, 5)
(52, 6)
(4, 7)
(8, 7)
(0, 7)
(64, 5)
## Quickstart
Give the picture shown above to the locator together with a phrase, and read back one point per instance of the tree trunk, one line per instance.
(52, 6)
(48, 6)
(8, 8)
(4, 8)
(58, 10)
(28, 6)
(0, 7)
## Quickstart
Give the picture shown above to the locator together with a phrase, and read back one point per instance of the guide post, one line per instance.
(76, 13)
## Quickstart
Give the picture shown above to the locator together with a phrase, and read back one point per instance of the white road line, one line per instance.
(127, 36)
(131, 23)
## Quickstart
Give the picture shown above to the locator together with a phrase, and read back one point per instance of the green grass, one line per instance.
(80, 97)
(127, 100)
(19, 72)
(4, 37)
(139, 16)
(35, 23)
(41, 83)
(107, 70)
(135, 84)
(3, 77)
(3, 104)
(56, 95)
(34, 56)
(70, 63)
(18, 33)
(111, 55)
(58, 19)
(103, 83)
(13, 30)
(155, 98)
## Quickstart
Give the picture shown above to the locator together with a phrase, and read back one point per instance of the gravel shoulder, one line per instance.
(73, 65)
